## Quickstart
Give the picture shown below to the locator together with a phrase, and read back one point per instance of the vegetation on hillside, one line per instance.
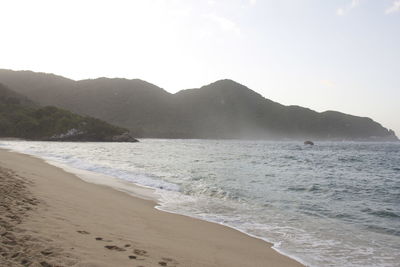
(223, 109)
(21, 118)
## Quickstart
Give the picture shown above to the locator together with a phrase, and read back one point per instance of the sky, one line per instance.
(339, 55)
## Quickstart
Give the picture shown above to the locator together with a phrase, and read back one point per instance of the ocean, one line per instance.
(331, 204)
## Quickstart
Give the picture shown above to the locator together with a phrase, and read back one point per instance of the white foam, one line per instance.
(136, 190)
(314, 241)
(133, 189)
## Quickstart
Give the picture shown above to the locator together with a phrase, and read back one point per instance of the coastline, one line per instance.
(96, 225)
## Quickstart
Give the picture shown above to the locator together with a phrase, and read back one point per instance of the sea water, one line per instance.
(332, 204)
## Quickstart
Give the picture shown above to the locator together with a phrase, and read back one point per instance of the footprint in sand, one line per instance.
(140, 252)
(46, 252)
(83, 232)
(133, 257)
(137, 252)
(115, 248)
(102, 239)
(15, 255)
(168, 262)
(25, 262)
(45, 264)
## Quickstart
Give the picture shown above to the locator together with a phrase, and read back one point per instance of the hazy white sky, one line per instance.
(326, 55)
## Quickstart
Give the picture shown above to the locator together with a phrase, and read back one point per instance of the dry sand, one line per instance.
(49, 217)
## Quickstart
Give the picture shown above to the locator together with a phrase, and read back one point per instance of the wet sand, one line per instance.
(49, 217)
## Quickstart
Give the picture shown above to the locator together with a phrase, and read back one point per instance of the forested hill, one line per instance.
(22, 118)
(224, 109)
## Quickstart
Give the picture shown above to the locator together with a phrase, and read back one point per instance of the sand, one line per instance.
(49, 217)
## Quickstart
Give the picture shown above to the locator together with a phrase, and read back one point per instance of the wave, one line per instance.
(309, 210)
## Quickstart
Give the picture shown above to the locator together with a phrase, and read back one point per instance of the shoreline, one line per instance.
(156, 232)
(143, 192)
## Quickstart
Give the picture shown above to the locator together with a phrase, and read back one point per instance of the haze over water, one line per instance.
(332, 204)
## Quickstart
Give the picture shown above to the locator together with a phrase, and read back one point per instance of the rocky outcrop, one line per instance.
(72, 133)
(125, 137)
(75, 135)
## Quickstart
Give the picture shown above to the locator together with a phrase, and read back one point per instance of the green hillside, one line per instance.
(223, 109)
(21, 118)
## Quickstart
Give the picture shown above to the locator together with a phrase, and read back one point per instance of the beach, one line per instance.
(52, 218)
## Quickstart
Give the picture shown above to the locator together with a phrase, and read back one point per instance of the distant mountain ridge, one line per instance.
(223, 109)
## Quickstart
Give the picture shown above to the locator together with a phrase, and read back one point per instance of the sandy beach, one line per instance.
(49, 217)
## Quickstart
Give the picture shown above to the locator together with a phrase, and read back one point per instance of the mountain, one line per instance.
(9, 97)
(22, 118)
(224, 109)
(232, 110)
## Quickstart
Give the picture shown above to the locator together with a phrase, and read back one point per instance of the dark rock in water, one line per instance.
(125, 137)
(308, 143)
